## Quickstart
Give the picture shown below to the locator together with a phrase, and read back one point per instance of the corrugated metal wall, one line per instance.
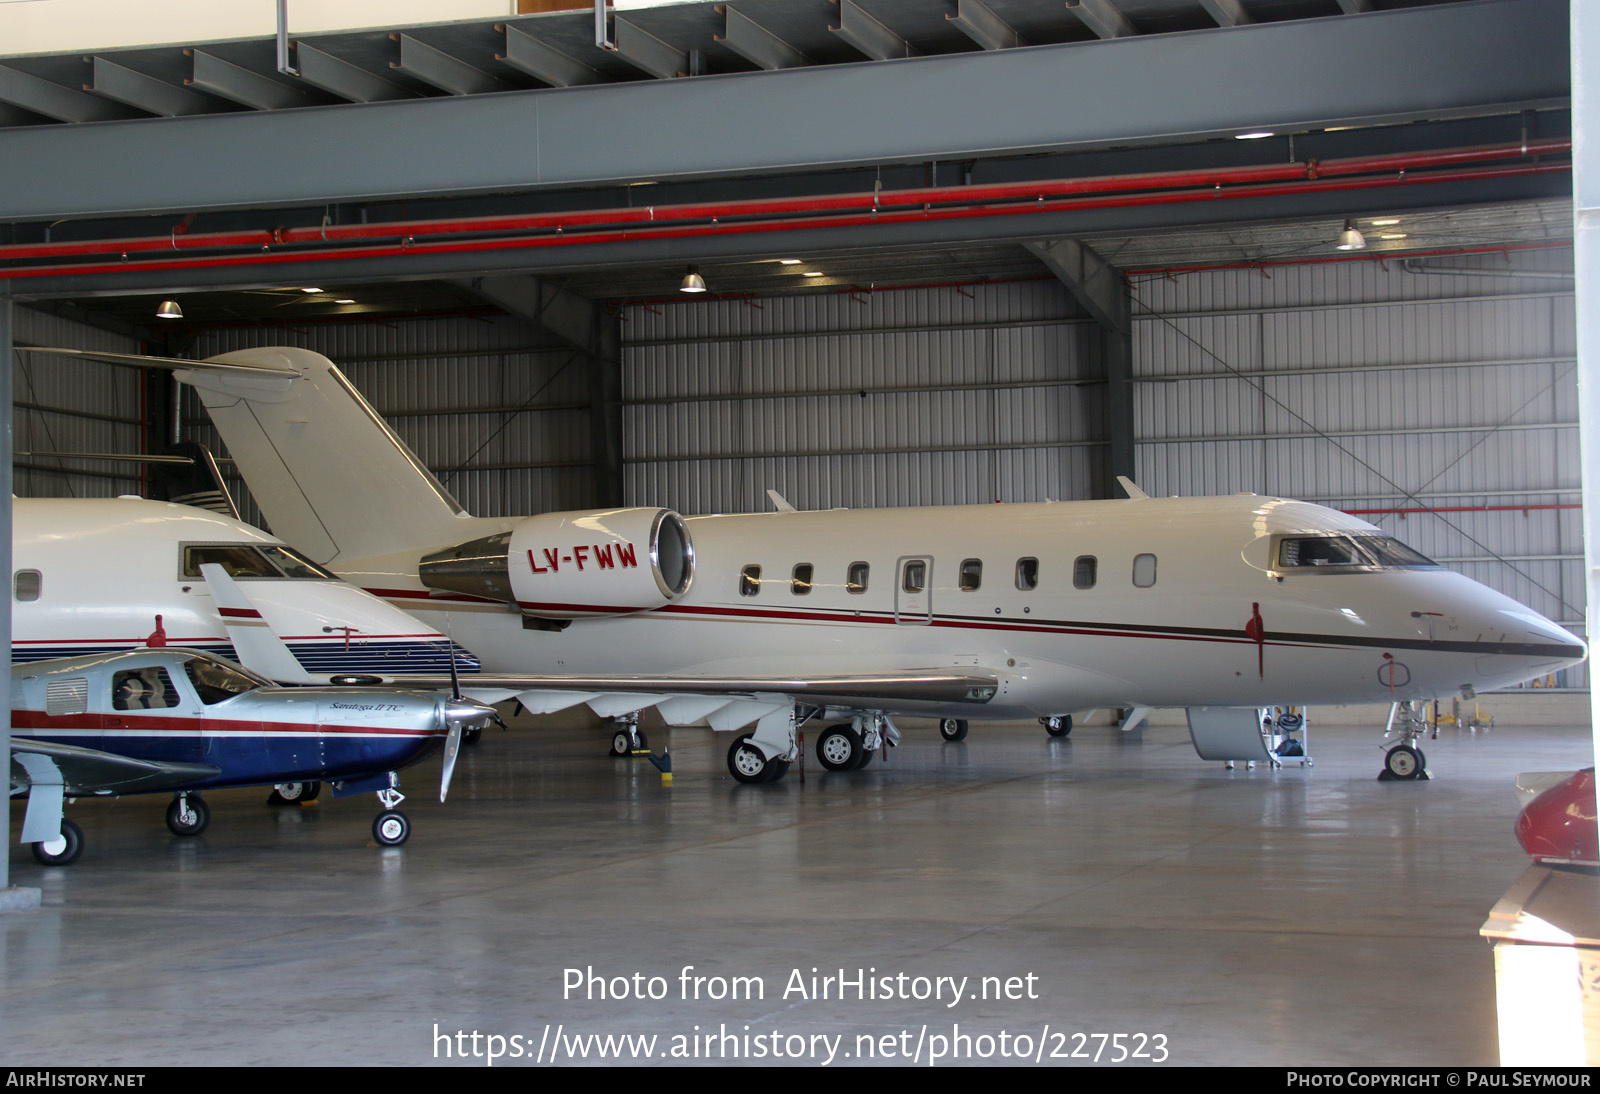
(64, 405)
(1439, 406)
(932, 396)
(502, 419)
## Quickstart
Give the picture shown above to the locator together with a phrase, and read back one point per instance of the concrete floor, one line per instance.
(1248, 917)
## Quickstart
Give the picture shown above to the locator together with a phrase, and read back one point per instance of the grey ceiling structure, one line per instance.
(884, 143)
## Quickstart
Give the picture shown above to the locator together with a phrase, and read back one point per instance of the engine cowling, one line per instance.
(604, 562)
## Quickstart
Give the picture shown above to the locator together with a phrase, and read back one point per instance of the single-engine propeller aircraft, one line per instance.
(764, 620)
(184, 721)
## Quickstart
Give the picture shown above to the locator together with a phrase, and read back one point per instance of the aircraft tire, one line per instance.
(839, 748)
(472, 736)
(776, 769)
(866, 758)
(620, 744)
(953, 729)
(1057, 725)
(63, 851)
(191, 821)
(1403, 762)
(747, 764)
(294, 793)
(391, 828)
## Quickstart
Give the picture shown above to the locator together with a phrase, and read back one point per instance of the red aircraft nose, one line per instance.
(1559, 825)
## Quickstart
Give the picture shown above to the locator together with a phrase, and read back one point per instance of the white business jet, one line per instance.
(765, 620)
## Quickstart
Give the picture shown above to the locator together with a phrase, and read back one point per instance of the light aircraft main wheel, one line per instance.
(748, 765)
(1057, 725)
(620, 744)
(64, 849)
(839, 748)
(294, 793)
(391, 828)
(1403, 762)
(188, 816)
(953, 729)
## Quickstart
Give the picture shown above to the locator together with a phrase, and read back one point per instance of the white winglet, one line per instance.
(779, 502)
(259, 649)
(1131, 490)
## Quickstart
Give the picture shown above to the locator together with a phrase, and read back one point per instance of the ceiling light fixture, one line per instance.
(1350, 239)
(346, 300)
(310, 290)
(789, 261)
(1384, 222)
(692, 281)
(813, 273)
(1253, 135)
(169, 310)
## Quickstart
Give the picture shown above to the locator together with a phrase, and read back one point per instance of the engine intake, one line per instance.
(573, 565)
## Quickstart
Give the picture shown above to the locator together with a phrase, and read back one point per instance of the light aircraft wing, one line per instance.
(85, 771)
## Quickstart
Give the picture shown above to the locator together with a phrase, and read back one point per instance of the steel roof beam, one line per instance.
(1355, 7)
(1227, 13)
(1102, 17)
(64, 104)
(341, 78)
(868, 35)
(224, 78)
(755, 43)
(434, 66)
(528, 54)
(649, 53)
(974, 19)
(1444, 61)
(147, 93)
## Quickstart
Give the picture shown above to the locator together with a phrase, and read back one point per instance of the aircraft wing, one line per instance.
(85, 771)
(723, 702)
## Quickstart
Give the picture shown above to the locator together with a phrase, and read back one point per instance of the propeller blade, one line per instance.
(452, 749)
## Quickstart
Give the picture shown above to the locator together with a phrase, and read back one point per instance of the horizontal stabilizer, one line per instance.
(261, 368)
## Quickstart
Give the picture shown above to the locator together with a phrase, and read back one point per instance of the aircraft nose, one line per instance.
(467, 712)
(1520, 644)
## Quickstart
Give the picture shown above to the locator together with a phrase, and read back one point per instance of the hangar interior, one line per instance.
(954, 253)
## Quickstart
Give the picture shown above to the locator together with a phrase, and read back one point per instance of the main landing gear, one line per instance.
(953, 729)
(1057, 725)
(627, 738)
(294, 793)
(64, 849)
(849, 746)
(188, 815)
(1408, 722)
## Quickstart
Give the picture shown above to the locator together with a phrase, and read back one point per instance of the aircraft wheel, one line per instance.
(620, 744)
(748, 765)
(1403, 762)
(64, 849)
(1057, 725)
(391, 828)
(188, 816)
(839, 748)
(953, 729)
(472, 736)
(294, 793)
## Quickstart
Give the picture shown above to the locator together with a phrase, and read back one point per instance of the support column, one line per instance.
(1586, 259)
(1100, 289)
(11, 899)
(583, 325)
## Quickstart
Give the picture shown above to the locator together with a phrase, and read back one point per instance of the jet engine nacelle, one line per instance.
(569, 565)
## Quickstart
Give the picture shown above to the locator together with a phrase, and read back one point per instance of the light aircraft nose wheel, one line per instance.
(1057, 725)
(953, 729)
(1403, 762)
(839, 748)
(391, 828)
(748, 765)
(294, 793)
(188, 815)
(64, 849)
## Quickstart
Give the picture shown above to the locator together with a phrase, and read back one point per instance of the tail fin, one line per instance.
(330, 476)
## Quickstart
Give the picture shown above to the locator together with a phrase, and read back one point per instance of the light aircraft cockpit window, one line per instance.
(1348, 553)
(750, 580)
(916, 576)
(855, 580)
(1027, 573)
(971, 574)
(216, 682)
(1083, 571)
(1144, 571)
(143, 689)
(26, 585)
(800, 580)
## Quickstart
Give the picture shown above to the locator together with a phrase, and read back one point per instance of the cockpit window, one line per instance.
(248, 561)
(1347, 553)
(216, 682)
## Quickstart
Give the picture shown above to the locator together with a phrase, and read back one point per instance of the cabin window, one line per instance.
(971, 574)
(1144, 571)
(1027, 574)
(855, 580)
(916, 576)
(25, 585)
(143, 689)
(800, 580)
(68, 696)
(750, 580)
(1083, 572)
